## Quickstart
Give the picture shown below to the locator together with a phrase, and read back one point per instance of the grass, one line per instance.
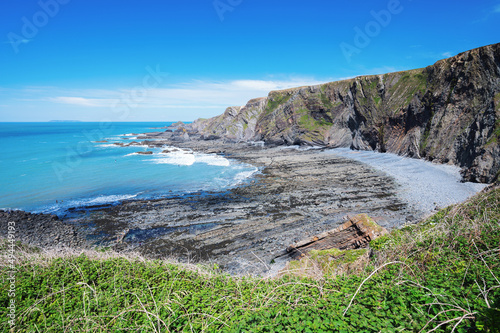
(495, 137)
(402, 92)
(441, 275)
(326, 101)
(311, 124)
(327, 263)
(275, 100)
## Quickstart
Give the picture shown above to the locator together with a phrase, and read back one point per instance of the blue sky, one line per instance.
(153, 60)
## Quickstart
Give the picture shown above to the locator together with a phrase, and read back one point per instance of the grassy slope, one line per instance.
(435, 275)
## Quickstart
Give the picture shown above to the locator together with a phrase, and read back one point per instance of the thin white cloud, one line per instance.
(191, 95)
(447, 54)
(81, 101)
(22, 41)
(496, 9)
(185, 101)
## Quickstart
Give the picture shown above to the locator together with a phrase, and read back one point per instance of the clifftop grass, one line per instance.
(441, 275)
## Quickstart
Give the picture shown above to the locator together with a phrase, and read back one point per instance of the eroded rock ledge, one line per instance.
(337, 251)
(356, 233)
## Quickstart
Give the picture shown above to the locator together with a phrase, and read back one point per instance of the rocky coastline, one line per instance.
(245, 230)
(447, 113)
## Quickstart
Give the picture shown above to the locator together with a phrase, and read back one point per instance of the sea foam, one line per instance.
(187, 157)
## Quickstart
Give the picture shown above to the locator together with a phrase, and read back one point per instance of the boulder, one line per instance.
(356, 233)
(338, 251)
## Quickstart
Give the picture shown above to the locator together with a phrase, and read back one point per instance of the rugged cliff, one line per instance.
(448, 112)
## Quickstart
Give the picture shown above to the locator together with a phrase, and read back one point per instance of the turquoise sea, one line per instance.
(50, 167)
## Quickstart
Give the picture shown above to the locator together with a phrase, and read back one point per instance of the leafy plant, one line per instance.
(441, 275)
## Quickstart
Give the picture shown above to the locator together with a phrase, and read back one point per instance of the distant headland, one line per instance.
(65, 121)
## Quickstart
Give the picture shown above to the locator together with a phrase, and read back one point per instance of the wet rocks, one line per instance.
(170, 150)
(41, 230)
(298, 194)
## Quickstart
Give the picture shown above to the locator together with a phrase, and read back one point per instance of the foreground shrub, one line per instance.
(441, 275)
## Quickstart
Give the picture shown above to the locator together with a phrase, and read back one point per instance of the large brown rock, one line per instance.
(338, 251)
(356, 233)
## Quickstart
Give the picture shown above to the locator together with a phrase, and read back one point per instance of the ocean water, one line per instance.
(50, 167)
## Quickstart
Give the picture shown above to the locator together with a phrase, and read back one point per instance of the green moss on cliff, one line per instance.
(405, 88)
(495, 137)
(276, 99)
(326, 101)
(424, 142)
(307, 122)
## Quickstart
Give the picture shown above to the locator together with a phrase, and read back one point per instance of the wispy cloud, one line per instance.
(185, 100)
(447, 54)
(81, 101)
(22, 41)
(194, 94)
(496, 9)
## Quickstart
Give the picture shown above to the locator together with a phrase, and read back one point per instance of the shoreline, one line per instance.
(243, 229)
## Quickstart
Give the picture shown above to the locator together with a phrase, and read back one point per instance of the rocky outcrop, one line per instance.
(448, 112)
(356, 233)
(338, 251)
(237, 122)
(42, 230)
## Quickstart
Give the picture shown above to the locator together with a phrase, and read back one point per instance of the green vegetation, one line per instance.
(403, 91)
(326, 101)
(495, 137)
(424, 141)
(309, 123)
(373, 85)
(453, 84)
(441, 275)
(327, 263)
(276, 100)
(371, 92)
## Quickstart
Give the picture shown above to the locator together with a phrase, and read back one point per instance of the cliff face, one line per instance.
(448, 112)
(236, 123)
